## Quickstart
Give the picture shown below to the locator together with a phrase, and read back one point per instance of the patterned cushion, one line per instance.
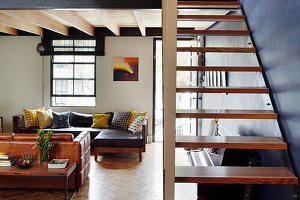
(31, 117)
(61, 120)
(134, 115)
(100, 120)
(120, 120)
(45, 118)
(137, 124)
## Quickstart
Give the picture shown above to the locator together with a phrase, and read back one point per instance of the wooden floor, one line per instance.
(118, 176)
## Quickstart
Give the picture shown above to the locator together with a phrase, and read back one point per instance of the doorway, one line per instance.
(184, 126)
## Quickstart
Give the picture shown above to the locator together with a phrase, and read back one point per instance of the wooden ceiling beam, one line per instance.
(139, 19)
(72, 18)
(108, 22)
(13, 22)
(8, 30)
(36, 18)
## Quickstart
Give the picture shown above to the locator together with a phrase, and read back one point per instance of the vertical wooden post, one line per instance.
(169, 16)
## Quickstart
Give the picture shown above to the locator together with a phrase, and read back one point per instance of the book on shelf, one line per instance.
(3, 156)
(5, 163)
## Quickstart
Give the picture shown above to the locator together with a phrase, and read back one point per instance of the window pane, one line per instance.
(62, 71)
(63, 87)
(63, 49)
(83, 87)
(73, 101)
(62, 43)
(84, 71)
(85, 49)
(90, 43)
(63, 59)
(84, 58)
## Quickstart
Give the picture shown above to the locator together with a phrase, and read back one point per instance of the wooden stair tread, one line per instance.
(213, 32)
(230, 142)
(214, 68)
(234, 175)
(210, 17)
(217, 49)
(208, 4)
(202, 89)
(225, 114)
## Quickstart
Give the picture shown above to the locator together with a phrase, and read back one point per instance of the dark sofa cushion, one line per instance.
(81, 120)
(118, 138)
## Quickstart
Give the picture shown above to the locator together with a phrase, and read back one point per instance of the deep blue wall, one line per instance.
(275, 27)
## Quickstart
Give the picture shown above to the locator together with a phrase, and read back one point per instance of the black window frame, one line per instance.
(71, 53)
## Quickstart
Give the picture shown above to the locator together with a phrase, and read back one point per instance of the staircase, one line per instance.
(225, 174)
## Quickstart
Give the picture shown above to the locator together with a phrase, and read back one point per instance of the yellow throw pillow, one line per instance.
(45, 118)
(100, 120)
(134, 115)
(31, 117)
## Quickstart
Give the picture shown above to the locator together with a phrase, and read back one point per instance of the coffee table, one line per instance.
(42, 171)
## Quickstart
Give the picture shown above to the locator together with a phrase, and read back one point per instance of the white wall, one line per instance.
(20, 76)
(111, 96)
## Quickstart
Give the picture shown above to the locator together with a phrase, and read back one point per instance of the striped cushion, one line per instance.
(136, 125)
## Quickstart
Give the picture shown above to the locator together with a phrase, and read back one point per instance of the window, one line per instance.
(73, 76)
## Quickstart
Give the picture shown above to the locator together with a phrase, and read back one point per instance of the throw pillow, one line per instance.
(61, 120)
(81, 120)
(31, 117)
(100, 120)
(120, 120)
(134, 115)
(45, 118)
(137, 124)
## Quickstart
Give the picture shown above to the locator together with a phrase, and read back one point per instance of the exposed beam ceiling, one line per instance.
(72, 18)
(139, 19)
(36, 18)
(8, 30)
(13, 22)
(107, 21)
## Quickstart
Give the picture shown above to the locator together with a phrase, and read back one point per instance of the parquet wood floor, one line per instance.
(118, 177)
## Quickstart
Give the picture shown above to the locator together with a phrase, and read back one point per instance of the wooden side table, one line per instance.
(42, 171)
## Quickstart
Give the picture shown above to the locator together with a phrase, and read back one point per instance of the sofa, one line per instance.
(65, 147)
(79, 122)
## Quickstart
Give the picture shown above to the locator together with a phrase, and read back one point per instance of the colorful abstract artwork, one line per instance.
(126, 69)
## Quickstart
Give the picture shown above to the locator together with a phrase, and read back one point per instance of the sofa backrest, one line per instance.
(6, 136)
(33, 137)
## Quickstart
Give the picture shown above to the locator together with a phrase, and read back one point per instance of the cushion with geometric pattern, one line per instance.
(120, 120)
(61, 120)
(136, 125)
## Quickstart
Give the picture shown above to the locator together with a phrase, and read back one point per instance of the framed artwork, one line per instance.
(126, 69)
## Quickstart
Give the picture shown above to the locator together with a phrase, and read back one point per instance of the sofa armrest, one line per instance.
(18, 123)
(84, 141)
(144, 133)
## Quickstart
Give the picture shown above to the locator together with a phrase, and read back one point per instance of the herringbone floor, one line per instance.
(118, 177)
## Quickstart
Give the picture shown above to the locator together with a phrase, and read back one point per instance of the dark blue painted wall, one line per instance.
(275, 28)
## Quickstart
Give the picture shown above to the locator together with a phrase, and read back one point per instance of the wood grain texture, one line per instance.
(235, 175)
(230, 142)
(216, 49)
(225, 114)
(202, 89)
(208, 4)
(213, 32)
(213, 68)
(211, 17)
(38, 170)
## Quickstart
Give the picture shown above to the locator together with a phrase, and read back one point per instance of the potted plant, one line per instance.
(44, 145)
